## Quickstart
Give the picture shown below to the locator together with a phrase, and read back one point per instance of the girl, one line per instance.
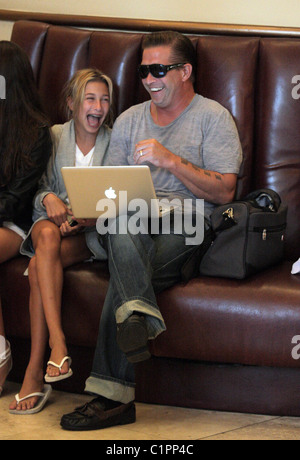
(25, 148)
(83, 141)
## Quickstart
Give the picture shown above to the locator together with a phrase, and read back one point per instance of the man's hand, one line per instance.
(209, 185)
(153, 152)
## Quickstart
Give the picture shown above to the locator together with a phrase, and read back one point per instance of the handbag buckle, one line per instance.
(228, 214)
(228, 220)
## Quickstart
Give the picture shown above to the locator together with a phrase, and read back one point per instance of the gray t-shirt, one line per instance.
(204, 134)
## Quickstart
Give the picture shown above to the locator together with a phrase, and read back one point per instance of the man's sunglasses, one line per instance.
(156, 70)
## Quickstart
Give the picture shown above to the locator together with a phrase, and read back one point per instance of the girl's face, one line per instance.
(93, 109)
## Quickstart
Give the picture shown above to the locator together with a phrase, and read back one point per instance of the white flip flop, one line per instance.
(6, 358)
(61, 376)
(44, 396)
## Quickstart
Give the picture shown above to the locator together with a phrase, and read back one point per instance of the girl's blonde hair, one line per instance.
(75, 90)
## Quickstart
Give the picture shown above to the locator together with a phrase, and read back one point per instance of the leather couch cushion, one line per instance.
(228, 321)
(31, 37)
(66, 50)
(277, 159)
(226, 73)
(122, 69)
(231, 321)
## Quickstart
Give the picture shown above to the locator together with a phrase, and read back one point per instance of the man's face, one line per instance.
(164, 91)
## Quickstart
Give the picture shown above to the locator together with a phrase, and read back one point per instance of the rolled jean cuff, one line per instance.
(110, 389)
(154, 320)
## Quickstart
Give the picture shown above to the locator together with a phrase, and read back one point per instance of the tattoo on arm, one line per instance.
(207, 173)
(186, 162)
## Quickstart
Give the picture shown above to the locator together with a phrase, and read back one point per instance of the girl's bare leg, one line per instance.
(50, 276)
(47, 243)
(72, 250)
(34, 375)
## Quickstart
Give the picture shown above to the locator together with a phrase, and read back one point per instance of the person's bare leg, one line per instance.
(47, 244)
(34, 375)
(51, 258)
(10, 243)
(73, 250)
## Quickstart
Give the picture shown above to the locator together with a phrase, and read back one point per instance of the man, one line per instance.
(192, 148)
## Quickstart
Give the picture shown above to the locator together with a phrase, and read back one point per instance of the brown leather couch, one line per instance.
(228, 344)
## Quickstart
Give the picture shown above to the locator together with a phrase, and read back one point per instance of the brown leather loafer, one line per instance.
(98, 414)
(132, 338)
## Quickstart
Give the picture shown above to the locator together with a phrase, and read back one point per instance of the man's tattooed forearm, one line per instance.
(207, 173)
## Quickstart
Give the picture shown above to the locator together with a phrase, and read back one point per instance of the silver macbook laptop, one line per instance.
(109, 191)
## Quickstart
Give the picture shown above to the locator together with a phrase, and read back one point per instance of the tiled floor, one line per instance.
(153, 423)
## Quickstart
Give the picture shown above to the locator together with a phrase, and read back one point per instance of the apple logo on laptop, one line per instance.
(110, 193)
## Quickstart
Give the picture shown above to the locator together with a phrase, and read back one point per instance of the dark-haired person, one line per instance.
(192, 147)
(25, 147)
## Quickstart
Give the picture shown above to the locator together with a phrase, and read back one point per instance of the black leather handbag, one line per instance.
(248, 236)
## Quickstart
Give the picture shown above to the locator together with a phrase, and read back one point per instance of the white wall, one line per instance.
(254, 12)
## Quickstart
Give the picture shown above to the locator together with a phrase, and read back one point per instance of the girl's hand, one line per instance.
(56, 209)
(67, 230)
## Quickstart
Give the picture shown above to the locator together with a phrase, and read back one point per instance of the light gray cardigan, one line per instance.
(64, 151)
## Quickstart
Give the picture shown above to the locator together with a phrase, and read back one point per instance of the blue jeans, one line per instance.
(140, 266)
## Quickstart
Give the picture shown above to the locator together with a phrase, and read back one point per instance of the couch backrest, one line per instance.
(250, 76)
(277, 147)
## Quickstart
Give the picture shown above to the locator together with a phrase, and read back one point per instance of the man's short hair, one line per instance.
(182, 48)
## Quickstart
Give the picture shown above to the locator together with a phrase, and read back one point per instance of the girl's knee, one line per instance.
(49, 239)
